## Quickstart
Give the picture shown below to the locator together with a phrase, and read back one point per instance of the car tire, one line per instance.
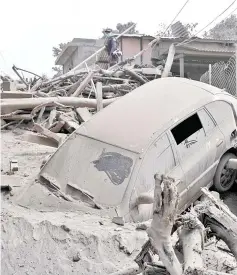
(224, 177)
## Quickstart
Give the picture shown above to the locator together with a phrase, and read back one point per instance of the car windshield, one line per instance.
(100, 169)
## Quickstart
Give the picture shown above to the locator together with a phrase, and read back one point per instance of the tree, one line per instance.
(122, 27)
(226, 29)
(58, 71)
(57, 50)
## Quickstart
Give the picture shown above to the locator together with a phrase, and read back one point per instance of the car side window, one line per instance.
(207, 121)
(189, 134)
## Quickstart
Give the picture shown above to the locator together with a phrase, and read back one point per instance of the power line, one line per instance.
(152, 43)
(173, 19)
(176, 15)
(190, 39)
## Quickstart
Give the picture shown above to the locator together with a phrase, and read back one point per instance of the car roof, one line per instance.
(131, 121)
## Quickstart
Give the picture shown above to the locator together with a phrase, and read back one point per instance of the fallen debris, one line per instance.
(186, 258)
(83, 114)
(61, 104)
(118, 220)
(39, 139)
(16, 94)
(13, 166)
(5, 187)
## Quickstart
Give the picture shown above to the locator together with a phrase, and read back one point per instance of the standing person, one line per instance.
(111, 54)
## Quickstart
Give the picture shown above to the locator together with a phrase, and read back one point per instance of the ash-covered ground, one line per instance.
(44, 234)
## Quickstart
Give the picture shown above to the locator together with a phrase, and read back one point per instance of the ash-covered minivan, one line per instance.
(174, 126)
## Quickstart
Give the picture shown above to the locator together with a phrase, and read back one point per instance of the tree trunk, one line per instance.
(191, 237)
(164, 215)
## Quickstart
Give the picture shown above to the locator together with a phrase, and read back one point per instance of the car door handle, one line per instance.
(219, 142)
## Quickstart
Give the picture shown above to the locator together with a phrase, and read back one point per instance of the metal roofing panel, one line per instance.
(201, 49)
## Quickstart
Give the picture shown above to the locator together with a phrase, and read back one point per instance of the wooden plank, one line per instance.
(57, 126)
(15, 94)
(40, 129)
(169, 61)
(83, 84)
(69, 124)
(135, 76)
(10, 105)
(19, 117)
(99, 96)
(41, 140)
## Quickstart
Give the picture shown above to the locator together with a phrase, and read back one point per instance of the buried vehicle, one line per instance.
(174, 126)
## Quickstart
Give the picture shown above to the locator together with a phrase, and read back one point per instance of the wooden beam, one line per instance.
(83, 85)
(16, 94)
(99, 96)
(10, 105)
(169, 61)
(178, 56)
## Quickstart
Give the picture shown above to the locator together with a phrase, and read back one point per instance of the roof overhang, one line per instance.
(198, 39)
(198, 47)
(65, 53)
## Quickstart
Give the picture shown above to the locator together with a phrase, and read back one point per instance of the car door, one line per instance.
(195, 151)
(159, 158)
(214, 145)
(224, 115)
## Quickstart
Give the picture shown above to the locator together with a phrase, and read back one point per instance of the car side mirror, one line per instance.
(144, 198)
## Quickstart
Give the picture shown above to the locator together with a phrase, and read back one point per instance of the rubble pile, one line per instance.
(61, 104)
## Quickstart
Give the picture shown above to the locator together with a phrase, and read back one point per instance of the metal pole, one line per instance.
(209, 74)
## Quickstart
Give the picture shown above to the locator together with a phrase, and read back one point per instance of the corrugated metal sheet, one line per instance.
(137, 35)
(202, 49)
(199, 39)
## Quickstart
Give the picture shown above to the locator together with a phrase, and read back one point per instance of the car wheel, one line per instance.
(224, 177)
